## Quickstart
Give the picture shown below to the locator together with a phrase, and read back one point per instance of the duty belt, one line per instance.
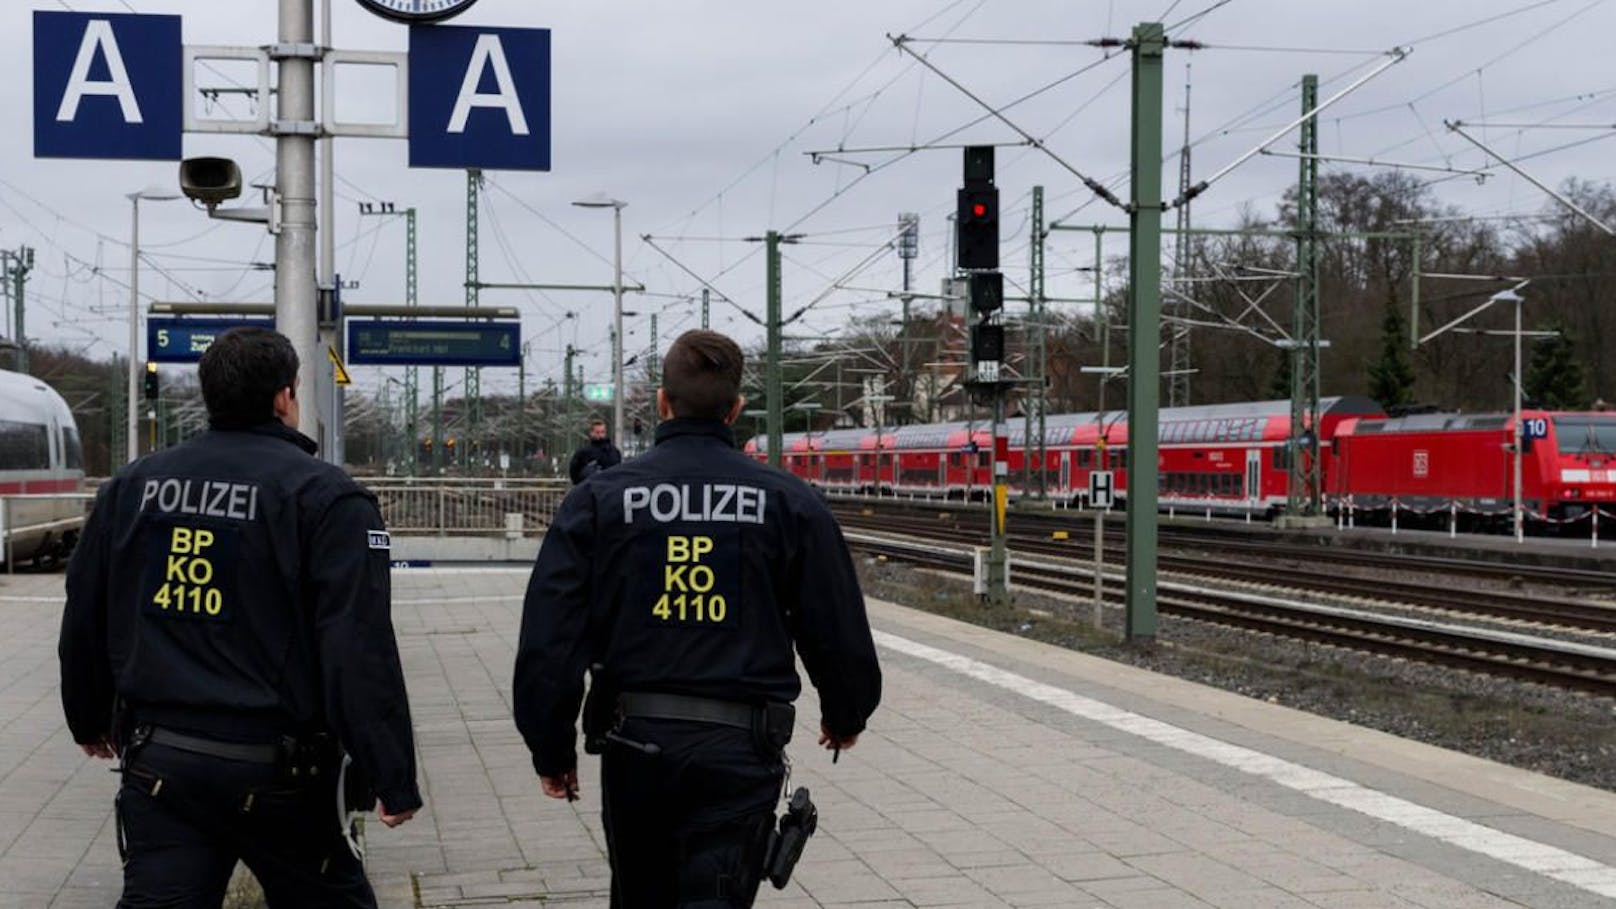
(230, 751)
(654, 706)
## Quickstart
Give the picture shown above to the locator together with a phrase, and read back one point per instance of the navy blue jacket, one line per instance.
(237, 587)
(591, 457)
(691, 569)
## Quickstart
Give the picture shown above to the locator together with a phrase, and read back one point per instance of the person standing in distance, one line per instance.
(231, 596)
(685, 576)
(595, 455)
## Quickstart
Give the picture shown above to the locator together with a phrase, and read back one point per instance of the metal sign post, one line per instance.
(1102, 495)
(294, 128)
(122, 86)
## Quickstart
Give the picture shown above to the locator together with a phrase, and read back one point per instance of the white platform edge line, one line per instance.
(1567, 867)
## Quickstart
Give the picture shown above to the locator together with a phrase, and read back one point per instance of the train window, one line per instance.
(1282, 457)
(24, 446)
(1585, 435)
(72, 448)
(984, 459)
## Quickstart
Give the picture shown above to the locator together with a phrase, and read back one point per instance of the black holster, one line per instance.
(311, 758)
(786, 844)
(772, 726)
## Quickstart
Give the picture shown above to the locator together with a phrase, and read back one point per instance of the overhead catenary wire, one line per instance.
(1394, 57)
(1094, 186)
(1558, 197)
(1195, 17)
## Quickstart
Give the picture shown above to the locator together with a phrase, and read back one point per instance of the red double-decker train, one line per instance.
(1235, 458)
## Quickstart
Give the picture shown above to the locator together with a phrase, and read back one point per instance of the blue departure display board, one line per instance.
(374, 342)
(184, 340)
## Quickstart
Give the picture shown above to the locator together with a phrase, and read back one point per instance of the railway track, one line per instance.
(1562, 664)
(1241, 540)
(1432, 593)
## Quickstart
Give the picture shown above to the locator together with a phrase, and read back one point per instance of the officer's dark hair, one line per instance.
(701, 375)
(597, 421)
(242, 372)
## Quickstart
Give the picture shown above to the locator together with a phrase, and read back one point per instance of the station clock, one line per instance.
(417, 10)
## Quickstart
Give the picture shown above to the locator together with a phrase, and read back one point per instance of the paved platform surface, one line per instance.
(999, 772)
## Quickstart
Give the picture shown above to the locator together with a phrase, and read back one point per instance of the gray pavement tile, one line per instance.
(1086, 866)
(960, 795)
(1263, 898)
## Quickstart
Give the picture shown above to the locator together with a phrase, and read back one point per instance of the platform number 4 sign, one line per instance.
(1102, 491)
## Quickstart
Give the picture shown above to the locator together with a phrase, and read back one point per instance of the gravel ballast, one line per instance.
(1534, 727)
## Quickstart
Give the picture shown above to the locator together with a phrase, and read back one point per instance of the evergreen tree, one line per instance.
(1279, 383)
(1391, 378)
(1554, 378)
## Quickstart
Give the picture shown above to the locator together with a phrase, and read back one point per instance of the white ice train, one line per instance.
(40, 455)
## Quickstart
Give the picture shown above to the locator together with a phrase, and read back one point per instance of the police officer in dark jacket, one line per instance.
(227, 634)
(595, 455)
(685, 576)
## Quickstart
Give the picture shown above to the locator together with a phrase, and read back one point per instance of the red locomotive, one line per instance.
(1235, 458)
(1463, 465)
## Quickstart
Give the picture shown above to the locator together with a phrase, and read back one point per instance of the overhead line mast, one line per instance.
(1178, 332)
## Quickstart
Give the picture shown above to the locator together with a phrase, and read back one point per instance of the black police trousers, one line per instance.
(185, 819)
(688, 827)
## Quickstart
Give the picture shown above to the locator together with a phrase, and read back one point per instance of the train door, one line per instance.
(1254, 474)
(1066, 470)
(942, 470)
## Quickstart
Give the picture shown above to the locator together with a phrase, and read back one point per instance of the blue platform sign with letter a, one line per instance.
(108, 85)
(480, 97)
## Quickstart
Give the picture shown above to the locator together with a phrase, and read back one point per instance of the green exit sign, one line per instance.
(598, 391)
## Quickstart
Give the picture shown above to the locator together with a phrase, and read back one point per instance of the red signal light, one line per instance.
(979, 210)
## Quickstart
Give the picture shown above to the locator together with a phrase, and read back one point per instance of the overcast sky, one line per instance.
(699, 114)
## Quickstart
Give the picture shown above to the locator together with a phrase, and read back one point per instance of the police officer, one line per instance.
(595, 455)
(231, 597)
(686, 575)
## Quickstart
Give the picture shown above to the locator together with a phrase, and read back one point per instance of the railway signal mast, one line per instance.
(977, 258)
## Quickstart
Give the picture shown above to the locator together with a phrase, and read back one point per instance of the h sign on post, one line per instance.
(107, 85)
(1102, 492)
(480, 97)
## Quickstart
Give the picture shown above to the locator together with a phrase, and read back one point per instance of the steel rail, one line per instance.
(1561, 664)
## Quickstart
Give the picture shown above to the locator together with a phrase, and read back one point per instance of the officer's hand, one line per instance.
(828, 740)
(392, 820)
(564, 786)
(100, 748)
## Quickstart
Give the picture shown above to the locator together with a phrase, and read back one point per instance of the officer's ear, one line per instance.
(663, 408)
(735, 411)
(285, 406)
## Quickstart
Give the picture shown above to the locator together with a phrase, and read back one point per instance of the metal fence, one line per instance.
(454, 505)
(463, 506)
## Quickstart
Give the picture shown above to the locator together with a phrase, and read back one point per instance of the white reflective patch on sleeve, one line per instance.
(379, 539)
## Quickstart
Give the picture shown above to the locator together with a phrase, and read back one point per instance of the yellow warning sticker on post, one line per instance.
(338, 370)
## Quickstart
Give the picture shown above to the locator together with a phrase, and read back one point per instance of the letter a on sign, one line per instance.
(489, 53)
(480, 98)
(107, 86)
